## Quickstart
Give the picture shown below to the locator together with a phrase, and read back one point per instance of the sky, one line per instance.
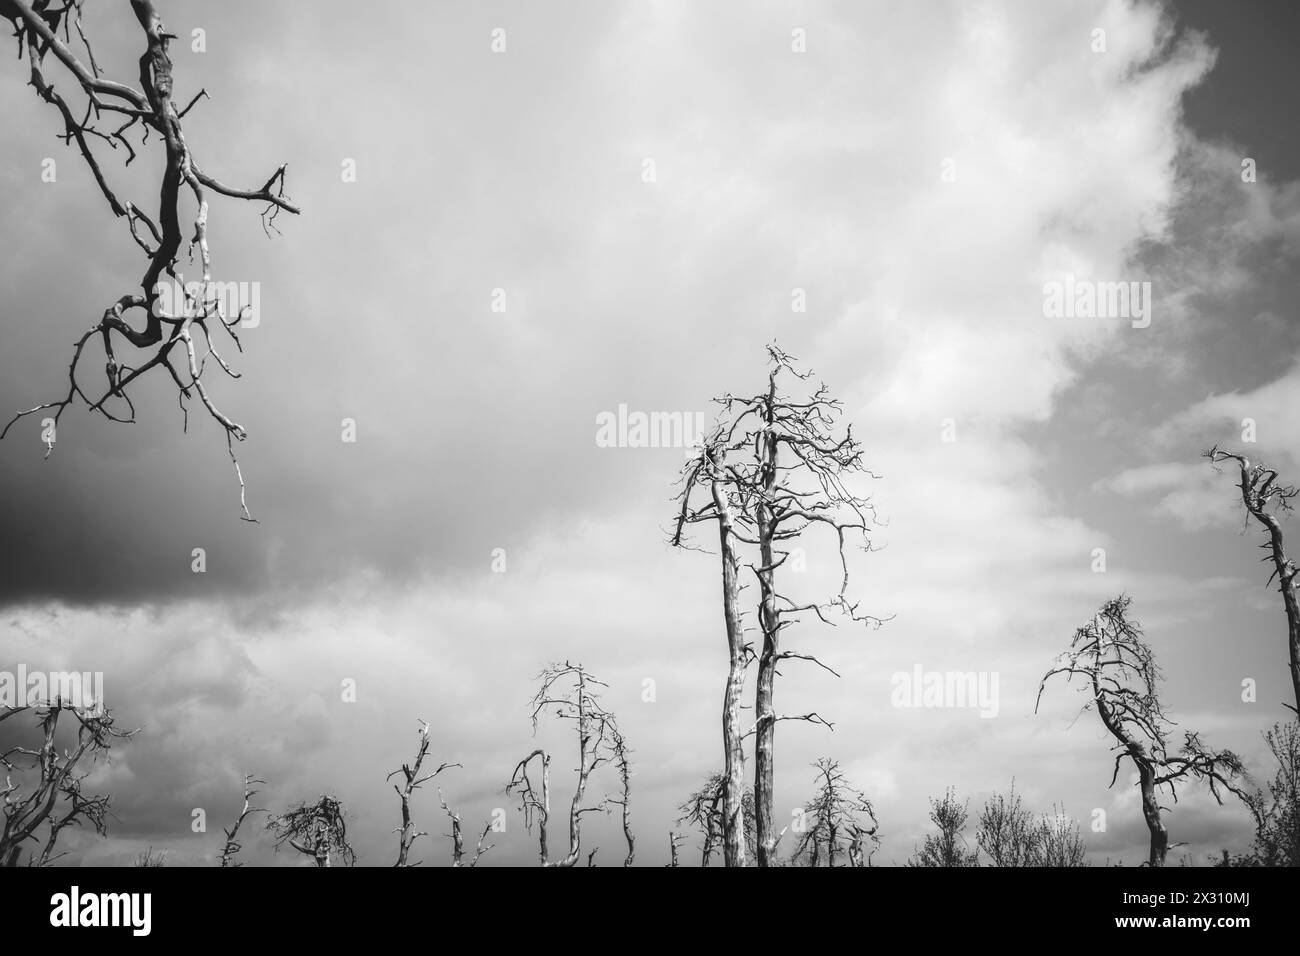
(616, 209)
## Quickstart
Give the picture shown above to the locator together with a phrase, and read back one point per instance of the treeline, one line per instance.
(775, 479)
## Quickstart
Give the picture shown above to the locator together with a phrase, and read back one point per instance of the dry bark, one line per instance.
(1121, 677)
(1265, 497)
(163, 340)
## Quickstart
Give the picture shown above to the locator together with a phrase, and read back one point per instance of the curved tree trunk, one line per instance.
(1151, 813)
(1286, 582)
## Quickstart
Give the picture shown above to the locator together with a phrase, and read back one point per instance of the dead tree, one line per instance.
(673, 841)
(232, 846)
(837, 820)
(42, 787)
(569, 693)
(317, 830)
(535, 802)
(947, 846)
(1265, 498)
(705, 809)
(710, 469)
(458, 840)
(771, 470)
(122, 118)
(1120, 677)
(624, 802)
(412, 781)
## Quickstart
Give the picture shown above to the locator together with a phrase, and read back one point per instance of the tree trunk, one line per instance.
(764, 706)
(1286, 582)
(733, 835)
(1151, 812)
(584, 771)
(1146, 772)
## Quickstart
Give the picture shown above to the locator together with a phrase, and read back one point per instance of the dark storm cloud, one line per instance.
(475, 429)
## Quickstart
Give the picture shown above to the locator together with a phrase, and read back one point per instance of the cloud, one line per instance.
(775, 171)
(1194, 495)
(1262, 416)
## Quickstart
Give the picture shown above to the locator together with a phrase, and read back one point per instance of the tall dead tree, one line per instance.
(1265, 498)
(316, 830)
(770, 471)
(838, 820)
(412, 781)
(1120, 678)
(42, 788)
(569, 693)
(624, 800)
(120, 117)
(710, 469)
(232, 846)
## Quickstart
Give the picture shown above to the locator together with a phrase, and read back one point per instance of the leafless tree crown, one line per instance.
(1120, 677)
(316, 830)
(42, 785)
(1268, 499)
(773, 470)
(570, 693)
(839, 821)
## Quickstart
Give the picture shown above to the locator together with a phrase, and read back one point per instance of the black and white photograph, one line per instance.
(648, 434)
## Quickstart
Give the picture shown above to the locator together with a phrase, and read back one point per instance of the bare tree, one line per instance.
(458, 840)
(837, 820)
(1006, 831)
(1120, 676)
(705, 810)
(1010, 836)
(1265, 498)
(114, 114)
(771, 470)
(232, 846)
(710, 469)
(535, 801)
(1060, 841)
(149, 860)
(947, 847)
(42, 786)
(317, 830)
(568, 692)
(412, 781)
(624, 802)
(1276, 807)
